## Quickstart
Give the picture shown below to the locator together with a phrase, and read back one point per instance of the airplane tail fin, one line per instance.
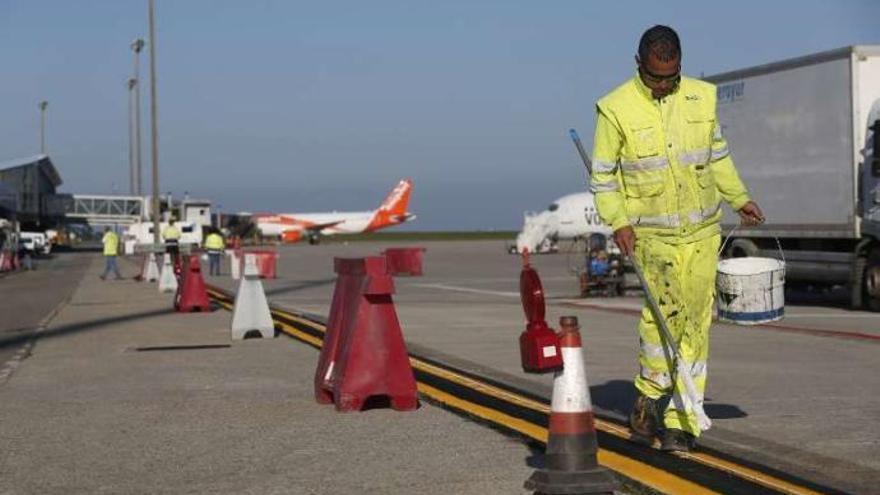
(398, 199)
(392, 211)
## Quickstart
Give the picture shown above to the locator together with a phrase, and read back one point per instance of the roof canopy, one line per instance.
(42, 161)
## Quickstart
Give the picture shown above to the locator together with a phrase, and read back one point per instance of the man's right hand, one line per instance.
(625, 238)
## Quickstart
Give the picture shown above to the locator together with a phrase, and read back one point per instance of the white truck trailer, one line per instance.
(803, 134)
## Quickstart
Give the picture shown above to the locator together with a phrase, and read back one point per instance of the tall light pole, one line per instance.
(136, 46)
(43, 105)
(132, 177)
(154, 129)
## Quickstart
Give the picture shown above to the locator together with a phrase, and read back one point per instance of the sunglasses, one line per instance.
(655, 78)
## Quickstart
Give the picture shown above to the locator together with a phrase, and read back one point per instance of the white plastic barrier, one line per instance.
(251, 310)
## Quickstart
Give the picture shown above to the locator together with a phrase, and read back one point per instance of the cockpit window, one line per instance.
(553, 207)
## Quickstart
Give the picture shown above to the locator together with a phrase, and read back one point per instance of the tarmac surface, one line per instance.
(85, 412)
(798, 396)
(31, 296)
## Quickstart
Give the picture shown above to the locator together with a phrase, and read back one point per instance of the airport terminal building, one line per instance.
(28, 191)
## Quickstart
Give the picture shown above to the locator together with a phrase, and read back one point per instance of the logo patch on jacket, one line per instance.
(691, 97)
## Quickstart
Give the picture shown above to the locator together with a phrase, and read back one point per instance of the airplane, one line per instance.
(294, 227)
(570, 217)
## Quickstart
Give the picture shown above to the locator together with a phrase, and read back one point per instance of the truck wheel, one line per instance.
(741, 248)
(871, 282)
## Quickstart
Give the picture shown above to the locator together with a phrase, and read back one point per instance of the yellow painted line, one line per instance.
(749, 474)
(479, 386)
(536, 432)
(631, 468)
(317, 326)
(752, 475)
(291, 330)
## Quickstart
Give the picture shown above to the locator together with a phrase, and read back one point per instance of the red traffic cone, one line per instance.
(571, 466)
(191, 293)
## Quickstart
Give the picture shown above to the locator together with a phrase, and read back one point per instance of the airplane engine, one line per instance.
(291, 236)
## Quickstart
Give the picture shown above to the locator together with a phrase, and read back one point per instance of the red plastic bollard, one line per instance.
(344, 291)
(191, 292)
(266, 262)
(368, 358)
(539, 344)
(402, 261)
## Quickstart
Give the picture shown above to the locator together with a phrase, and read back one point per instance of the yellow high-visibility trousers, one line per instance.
(682, 279)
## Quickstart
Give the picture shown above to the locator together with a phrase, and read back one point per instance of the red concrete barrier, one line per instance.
(400, 261)
(364, 355)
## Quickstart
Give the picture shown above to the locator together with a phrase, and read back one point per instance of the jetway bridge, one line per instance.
(106, 210)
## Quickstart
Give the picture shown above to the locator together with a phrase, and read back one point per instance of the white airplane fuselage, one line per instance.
(351, 222)
(569, 217)
(293, 227)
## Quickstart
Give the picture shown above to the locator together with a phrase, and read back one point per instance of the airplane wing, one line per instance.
(317, 228)
(404, 218)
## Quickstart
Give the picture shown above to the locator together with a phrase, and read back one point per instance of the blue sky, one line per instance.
(310, 106)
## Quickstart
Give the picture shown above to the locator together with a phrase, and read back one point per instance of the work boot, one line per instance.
(644, 419)
(675, 440)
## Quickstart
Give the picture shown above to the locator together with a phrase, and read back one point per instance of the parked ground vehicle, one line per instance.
(142, 233)
(803, 133)
(603, 272)
(37, 242)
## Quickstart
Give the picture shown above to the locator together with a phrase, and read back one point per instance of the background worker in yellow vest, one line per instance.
(111, 250)
(171, 237)
(214, 245)
(660, 168)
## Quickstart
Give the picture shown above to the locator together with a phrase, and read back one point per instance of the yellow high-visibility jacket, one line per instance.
(171, 233)
(111, 243)
(214, 242)
(663, 166)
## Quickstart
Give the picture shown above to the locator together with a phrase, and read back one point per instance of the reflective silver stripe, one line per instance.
(652, 350)
(657, 221)
(652, 163)
(604, 167)
(703, 214)
(718, 136)
(698, 369)
(720, 153)
(661, 378)
(695, 157)
(596, 187)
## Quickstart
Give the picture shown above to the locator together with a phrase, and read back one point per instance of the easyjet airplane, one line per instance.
(294, 227)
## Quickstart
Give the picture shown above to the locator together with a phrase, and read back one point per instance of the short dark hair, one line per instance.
(660, 41)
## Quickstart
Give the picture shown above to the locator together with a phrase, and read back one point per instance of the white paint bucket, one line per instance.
(750, 290)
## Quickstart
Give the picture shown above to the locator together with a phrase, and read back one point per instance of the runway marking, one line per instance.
(775, 326)
(629, 466)
(25, 350)
(468, 289)
(644, 473)
(789, 315)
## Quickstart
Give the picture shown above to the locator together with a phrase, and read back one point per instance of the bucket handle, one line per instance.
(734, 229)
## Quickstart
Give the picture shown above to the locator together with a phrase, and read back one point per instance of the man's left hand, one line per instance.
(750, 214)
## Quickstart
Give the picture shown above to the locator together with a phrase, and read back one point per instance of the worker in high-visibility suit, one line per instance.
(111, 251)
(171, 236)
(214, 246)
(660, 168)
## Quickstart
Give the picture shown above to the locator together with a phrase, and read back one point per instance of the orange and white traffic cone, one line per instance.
(571, 466)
